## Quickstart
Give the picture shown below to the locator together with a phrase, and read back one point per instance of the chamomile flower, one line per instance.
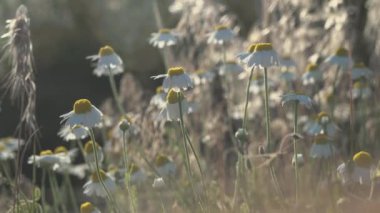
(137, 175)
(11, 144)
(221, 35)
(322, 124)
(322, 147)
(47, 159)
(158, 183)
(87, 207)
(163, 38)
(176, 78)
(360, 71)
(340, 58)
(76, 132)
(83, 113)
(361, 90)
(312, 75)
(159, 99)
(164, 166)
(241, 56)
(94, 187)
(5, 153)
(171, 111)
(230, 67)
(90, 153)
(300, 98)
(360, 172)
(107, 62)
(263, 56)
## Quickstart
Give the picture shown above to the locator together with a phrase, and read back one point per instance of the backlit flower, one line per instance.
(263, 56)
(87, 207)
(360, 71)
(90, 153)
(361, 90)
(322, 124)
(76, 132)
(294, 97)
(221, 35)
(312, 75)
(340, 58)
(172, 111)
(159, 99)
(107, 62)
(360, 172)
(47, 159)
(176, 78)
(94, 187)
(322, 147)
(164, 166)
(83, 113)
(163, 38)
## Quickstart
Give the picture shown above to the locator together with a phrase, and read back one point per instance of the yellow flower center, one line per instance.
(359, 65)
(46, 152)
(252, 48)
(362, 159)
(311, 67)
(221, 27)
(164, 31)
(132, 168)
(321, 115)
(86, 207)
(173, 96)
(321, 139)
(89, 148)
(159, 90)
(106, 50)
(176, 71)
(161, 160)
(341, 52)
(263, 47)
(95, 177)
(60, 149)
(82, 106)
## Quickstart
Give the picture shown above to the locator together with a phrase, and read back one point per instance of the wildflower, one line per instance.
(340, 58)
(360, 71)
(136, 175)
(322, 147)
(176, 78)
(62, 151)
(322, 124)
(361, 90)
(360, 171)
(107, 62)
(221, 35)
(11, 144)
(5, 153)
(76, 132)
(302, 99)
(300, 159)
(159, 99)
(241, 56)
(263, 56)
(158, 183)
(90, 154)
(312, 75)
(94, 187)
(164, 166)
(163, 38)
(171, 111)
(87, 207)
(83, 113)
(230, 67)
(47, 159)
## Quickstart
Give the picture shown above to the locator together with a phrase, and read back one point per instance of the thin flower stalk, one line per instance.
(295, 147)
(116, 95)
(267, 113)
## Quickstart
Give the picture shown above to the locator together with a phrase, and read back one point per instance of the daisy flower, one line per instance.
(312, 75)
(230, 67)
(164, 166)
(241, 56)
(159, 99)
(176, 78)
(6, 153)
(83, 113)
(163, 38)
(47, 159)
(340, 58)
(76, 132)
(221, 35)
(263, 56)
(11, 143)
(171, 111)
(322, 124)
(361, 171)
(90, 154)
(107, 62)
(360, 71)
(136, 175)
(300, 98)
(94, 187)
(87, 207)
(158, 183)
(322, 147)
(361, 90)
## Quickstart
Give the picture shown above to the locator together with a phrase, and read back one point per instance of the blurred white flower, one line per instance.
(107, 62)
(164, 166)
(340, 58)
(94, 187)
(47, 159)
(360, 172)
(322, 124)
(136, 175)
(300, 98)
(360, 71)
(76, 132)
(163, 38)
(90, 153)
(322, 147)
(263, 56)
(176, 78)
(300, 159)
(83, 113)
(241, 56)
(87, 207)
(221, 35)
(312, 75)
(361, 90)
(11, 144)
(158, 183)
(159, 99)
(6, 153)
(171, 112)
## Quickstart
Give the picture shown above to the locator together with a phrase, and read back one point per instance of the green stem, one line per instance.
(34, 174)
(125, 150)
(116, 96)
(246, 100)
(98, 171)
(43, 190)
(60, 198)
(267, 113)
(295, 148)
(73, 198)
(80, 145)
(334, 95)
(55, 197)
